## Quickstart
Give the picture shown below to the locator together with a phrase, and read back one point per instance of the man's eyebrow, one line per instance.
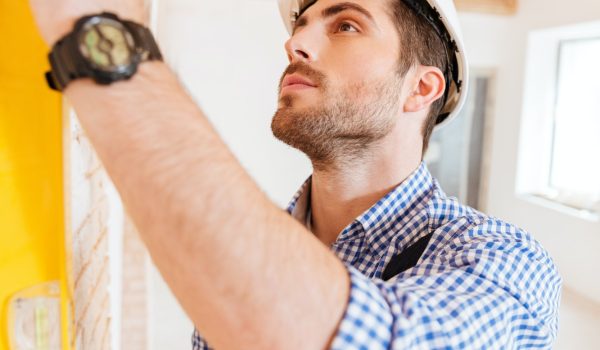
(334, 10)
(344, 6)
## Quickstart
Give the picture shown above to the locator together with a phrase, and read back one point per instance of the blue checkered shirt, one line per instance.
(481, 283)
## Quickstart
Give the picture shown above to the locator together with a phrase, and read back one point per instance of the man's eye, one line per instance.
(346, 27)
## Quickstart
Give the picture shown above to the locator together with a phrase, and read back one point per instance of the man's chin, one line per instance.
(297, 100)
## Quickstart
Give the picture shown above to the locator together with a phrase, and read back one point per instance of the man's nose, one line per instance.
(302, 46)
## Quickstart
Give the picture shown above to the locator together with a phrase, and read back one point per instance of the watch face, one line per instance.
(107, 44)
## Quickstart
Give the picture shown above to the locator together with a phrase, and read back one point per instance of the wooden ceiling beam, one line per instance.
(496, 7)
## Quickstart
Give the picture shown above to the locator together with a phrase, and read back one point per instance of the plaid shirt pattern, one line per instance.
(481, 283)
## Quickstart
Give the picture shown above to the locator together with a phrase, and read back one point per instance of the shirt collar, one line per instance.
(300, 203)
(377, 221)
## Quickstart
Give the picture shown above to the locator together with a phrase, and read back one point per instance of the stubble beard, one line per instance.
(345, 128)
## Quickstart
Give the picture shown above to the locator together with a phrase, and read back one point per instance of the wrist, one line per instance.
(149, 73)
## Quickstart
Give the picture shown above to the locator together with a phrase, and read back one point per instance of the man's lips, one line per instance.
(295, 81)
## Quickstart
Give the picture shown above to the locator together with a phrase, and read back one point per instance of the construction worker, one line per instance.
(371, 254)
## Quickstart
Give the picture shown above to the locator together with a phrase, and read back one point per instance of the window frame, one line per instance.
(537, 134)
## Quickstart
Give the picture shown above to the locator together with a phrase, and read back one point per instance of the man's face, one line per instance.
(341, 91)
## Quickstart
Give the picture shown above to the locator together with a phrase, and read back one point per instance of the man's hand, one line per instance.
(55, 18)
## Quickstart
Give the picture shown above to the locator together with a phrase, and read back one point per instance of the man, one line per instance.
(359, 98)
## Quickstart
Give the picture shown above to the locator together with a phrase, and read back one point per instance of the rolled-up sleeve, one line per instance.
(479, 290)
(368, 320)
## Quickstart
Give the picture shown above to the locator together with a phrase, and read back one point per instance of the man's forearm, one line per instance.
(247, 274)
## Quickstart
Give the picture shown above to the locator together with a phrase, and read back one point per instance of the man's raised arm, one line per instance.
(247, 274)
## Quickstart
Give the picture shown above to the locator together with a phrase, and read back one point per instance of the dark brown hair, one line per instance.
(419, 44)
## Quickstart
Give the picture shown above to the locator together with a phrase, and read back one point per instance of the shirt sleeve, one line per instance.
(487, 288)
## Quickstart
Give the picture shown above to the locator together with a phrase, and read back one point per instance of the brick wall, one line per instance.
(87, 244)
(88, 254)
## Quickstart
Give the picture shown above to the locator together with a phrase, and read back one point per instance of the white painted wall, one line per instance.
(230, 55)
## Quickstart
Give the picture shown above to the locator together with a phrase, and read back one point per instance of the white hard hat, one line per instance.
(441, 15)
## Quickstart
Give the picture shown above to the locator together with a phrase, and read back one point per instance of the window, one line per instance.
(559, 151)
(575, 161)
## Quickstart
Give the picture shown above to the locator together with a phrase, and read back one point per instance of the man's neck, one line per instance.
(339, 196)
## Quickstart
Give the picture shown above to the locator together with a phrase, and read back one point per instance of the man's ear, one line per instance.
(429, 85)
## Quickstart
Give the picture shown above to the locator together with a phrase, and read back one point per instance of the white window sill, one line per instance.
(540, 200)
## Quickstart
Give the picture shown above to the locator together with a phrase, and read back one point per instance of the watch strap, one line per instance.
(63, 63)
(143, 37)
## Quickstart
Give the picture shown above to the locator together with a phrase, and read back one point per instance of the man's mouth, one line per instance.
(294, 82)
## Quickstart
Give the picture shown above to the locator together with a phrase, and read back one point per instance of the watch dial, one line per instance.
(107, 44)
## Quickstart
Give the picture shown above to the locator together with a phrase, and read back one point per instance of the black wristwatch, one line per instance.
(102, 47)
